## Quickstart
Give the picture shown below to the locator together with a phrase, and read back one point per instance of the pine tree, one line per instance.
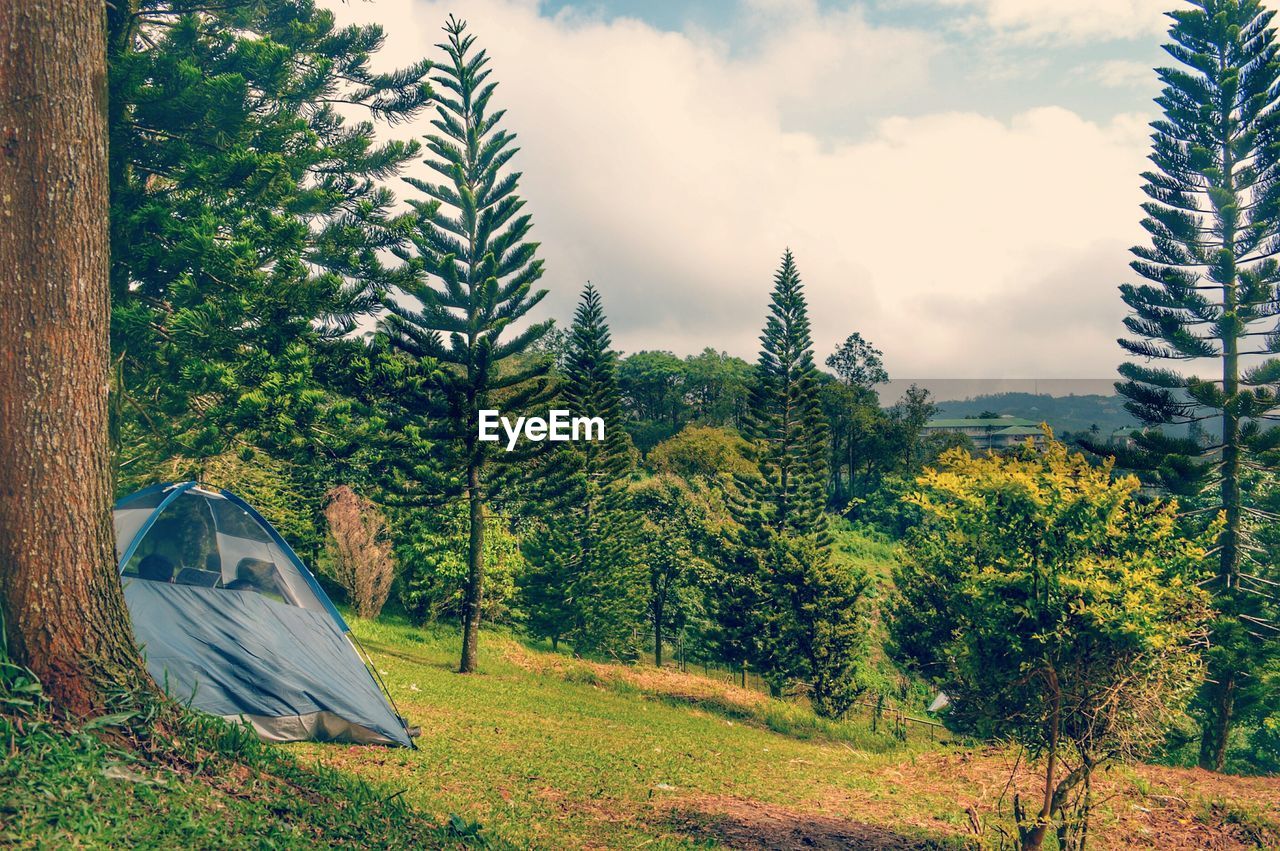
(583, 582)
(798, 615)
(591, 390)
(785, 420)
(1210, 302)
(473, 279)
(247, 217)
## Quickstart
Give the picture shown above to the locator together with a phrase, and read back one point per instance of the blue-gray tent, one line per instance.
(231, 621)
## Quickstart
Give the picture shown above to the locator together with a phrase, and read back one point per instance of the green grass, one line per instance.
(870, 550)
(864, 546)
(173, 779)
(554, 752)
(546, 751)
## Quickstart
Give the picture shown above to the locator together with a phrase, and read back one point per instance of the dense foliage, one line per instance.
(1054, 608)
(248, 218)
(663, 393)
(431, 547)
(671, 548)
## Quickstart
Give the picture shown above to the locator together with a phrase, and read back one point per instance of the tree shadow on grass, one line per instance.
(397, 652)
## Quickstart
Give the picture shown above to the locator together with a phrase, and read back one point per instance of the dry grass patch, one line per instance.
(1138, 807)
(659, 682)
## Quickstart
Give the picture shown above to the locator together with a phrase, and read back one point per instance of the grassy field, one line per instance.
(182, 781)
(540, 750)
(150, 774)
(551, 752)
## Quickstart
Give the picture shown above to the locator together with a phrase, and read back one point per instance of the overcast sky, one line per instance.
(959, 179)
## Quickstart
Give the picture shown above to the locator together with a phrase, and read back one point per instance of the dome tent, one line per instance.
(231, 621)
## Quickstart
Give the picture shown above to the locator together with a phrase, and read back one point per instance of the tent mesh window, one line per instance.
(203, 539)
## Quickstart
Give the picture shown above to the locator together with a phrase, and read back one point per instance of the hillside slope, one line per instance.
(552, 752)
(1064, 413)
(185, 781)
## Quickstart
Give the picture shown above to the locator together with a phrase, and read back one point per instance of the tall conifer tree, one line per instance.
(583, 582)
(799, 615)
(784, 418)
(1210, 303)
(591, 390)
(474, 277)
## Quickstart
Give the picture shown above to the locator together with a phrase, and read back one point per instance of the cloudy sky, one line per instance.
(957, 178)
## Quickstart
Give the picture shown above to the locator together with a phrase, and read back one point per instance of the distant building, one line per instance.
(990, 433)
(1123, 437)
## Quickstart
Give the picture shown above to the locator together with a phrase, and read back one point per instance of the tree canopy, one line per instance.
(1054, 607)
(249, 218)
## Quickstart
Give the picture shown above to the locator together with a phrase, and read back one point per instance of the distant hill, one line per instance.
(1063, 413)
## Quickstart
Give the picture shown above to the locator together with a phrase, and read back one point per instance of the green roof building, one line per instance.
(990, 432)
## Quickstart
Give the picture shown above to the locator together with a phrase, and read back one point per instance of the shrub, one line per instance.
(359, 547)
(1055, 607)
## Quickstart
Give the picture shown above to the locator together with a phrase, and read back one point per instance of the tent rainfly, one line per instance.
(231, 621)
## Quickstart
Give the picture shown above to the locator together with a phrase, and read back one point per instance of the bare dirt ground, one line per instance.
(749, 824)
(1179, 810)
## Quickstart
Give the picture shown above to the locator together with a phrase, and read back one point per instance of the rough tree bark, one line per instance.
(64, 614)
(475, 574)
(1217, 726)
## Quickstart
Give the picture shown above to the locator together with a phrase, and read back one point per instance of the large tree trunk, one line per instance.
(1216, 732)
(64, 614)
(475, 573)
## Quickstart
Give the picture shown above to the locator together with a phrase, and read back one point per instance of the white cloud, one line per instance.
(672, 174)
(825, 70)
(1122, 74)
(1068, 20)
